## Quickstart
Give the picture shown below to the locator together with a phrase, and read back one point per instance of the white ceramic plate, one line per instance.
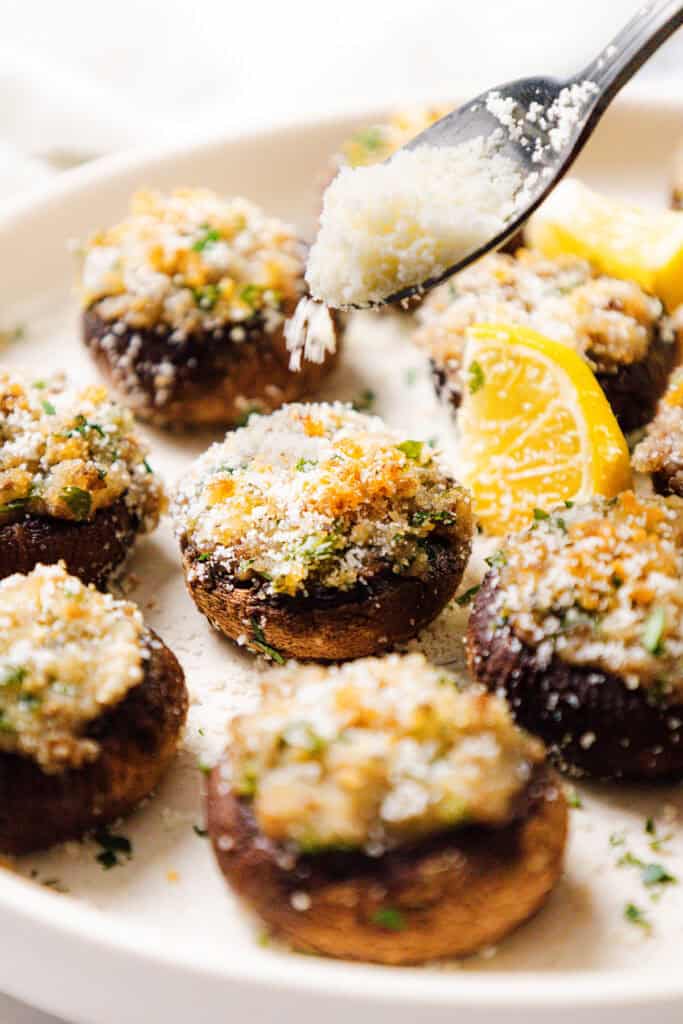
(161, 937)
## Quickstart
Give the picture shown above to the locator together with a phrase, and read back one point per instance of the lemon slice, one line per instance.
(618, 238)
(535, 428)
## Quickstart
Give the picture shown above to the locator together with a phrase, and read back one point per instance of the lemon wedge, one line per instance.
(535, 428)
(620, 239)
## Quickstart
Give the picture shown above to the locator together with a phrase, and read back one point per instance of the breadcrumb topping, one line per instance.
(376, 752)
(318, 495)
(68, 454)
(611, 323)
(601, 585)
(661, 450)
(192, 261)
(67, 653)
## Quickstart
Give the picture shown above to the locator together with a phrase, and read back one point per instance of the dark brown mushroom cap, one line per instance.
(592, 722)
(90, 550)
(138, 740)
(215, 380)
(329, 624)
(449, 896)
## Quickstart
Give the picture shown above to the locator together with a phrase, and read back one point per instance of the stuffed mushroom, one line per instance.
(618, 328)
(184, 307)
(316, 532)
(92, 705)
(580, 624)
(661, 450)
(373, 811)
(75, 483)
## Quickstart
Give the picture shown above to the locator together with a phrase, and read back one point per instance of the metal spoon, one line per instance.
(536, 150)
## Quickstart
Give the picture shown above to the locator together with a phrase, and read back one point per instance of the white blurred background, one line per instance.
(81, 78)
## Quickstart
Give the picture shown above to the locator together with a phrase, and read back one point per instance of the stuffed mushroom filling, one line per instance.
(191, 263)
(611, 323)
(375, 753)
(69, 454)
(601, 585)
(318, 496)
(661, 450)
(67, 654)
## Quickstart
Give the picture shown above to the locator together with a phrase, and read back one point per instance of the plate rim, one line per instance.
(23, 903)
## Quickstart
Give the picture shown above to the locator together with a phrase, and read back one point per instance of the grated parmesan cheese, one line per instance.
(67, 653)
(376, 752)
(318, 495)
(393, 225)
(661, 450)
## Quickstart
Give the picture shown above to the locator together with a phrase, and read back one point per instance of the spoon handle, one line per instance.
(653, 23)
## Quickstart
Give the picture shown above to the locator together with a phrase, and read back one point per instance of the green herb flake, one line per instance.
(251, 295)
(634, 915)
(497, 560)
(78, 501)
(259, 643)
(204, 557)
(656, 874)
(468, 596)
(48, 407)
(654, 630)
(410, 376)
(540, 515)
(390, 919)
(12, 675)
(365, 400)
(476, 377)
(207, 296)
(411, 449)
(147, 466)
(208, 238)
(303, 465)
(201, 832)
(573, 799)
(204, 767)
(617, 839)
(370, 139)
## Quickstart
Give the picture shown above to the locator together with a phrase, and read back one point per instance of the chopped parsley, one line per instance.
(251, 295)
(16, 505)
(540, 515)
(204, 557)
(208, 238)
(259, 642)
(657, 874)
(12, 675)
(653, 630)
(201, 832)
(365, 400)
(147, 466)
(78, 501)
(82, 426)
(634, 915)
(114, 847)
(476, 377)
(303, 465)
(411, 449)
(370, 139)
(573, 799)
(48, 407)
(207, 296)
(390, 919)
(468, 596)
(497, 560)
